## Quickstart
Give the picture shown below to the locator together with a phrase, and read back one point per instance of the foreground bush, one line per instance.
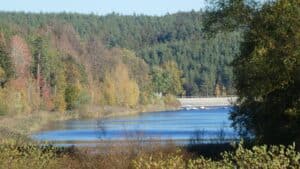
(260, 157)
(17, 155)
(24, 155)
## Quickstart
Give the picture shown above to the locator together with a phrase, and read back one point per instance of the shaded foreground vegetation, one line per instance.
(15, 154)
(267, 72)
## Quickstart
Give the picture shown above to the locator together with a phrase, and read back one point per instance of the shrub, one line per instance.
(275, 157)
(26, 156)
(260, 157)
(171, 100)
(20, 155)
(170, 161)
(76, 96)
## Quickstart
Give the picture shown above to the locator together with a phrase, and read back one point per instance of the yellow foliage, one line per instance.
(14, 101)
(218, 90)
(59, 102)
(119, 89)
(132, 94)
(96, 94)
(171, 100)
(109, 91)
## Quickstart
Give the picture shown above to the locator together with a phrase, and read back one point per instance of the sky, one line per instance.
(102, 7)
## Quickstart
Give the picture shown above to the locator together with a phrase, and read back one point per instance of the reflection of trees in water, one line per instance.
(202, 136)
(221, 135)
(101, 129)
(135, 136)
(197, 137)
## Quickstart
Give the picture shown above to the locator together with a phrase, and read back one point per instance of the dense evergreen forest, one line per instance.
(68, 59)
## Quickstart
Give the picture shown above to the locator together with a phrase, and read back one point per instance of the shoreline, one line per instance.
(26, 124)
(20, 126)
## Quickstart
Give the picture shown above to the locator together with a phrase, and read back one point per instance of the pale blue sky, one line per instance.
(149, 7)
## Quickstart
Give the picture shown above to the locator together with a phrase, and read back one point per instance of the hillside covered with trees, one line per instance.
(63, 61)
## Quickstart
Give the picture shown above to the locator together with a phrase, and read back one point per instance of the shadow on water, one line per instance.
(101, 128)
(212, 148)
(198, 144)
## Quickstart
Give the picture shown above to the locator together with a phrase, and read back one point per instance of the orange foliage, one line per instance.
(21, 57)
(66, 39)
(46, 94)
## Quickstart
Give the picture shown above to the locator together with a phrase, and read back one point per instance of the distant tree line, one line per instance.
(182, 37)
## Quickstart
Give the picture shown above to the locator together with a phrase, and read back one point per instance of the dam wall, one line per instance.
(207, 101)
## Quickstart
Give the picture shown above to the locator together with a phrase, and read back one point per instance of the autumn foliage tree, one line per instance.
(21, 56)
(76, 83)
(54, 63)
(119, 89)
(22, 83)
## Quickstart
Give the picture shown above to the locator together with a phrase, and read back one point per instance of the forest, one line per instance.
(66, 60)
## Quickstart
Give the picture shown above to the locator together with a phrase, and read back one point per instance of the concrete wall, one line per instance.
(208, 101)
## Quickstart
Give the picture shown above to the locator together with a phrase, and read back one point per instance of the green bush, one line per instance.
(275, 157)
(26, 156)
(260, 157)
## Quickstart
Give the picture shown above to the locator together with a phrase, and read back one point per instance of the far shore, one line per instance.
(22, 125)
(26, 124)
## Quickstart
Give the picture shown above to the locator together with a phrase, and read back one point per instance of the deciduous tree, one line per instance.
(267, 75)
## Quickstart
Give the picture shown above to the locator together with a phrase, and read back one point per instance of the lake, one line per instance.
(181, 125)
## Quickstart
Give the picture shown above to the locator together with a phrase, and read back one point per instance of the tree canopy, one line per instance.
(267, 72)
(179, 37)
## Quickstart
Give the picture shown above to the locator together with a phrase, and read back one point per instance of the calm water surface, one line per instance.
(174, 125)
